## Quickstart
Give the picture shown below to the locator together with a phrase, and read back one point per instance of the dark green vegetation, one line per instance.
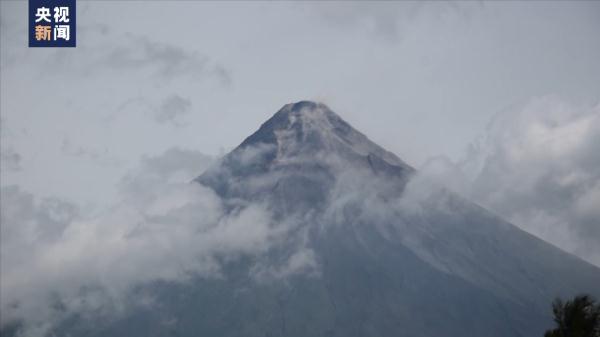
(579, 317)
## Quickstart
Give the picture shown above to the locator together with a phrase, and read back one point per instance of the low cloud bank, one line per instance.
(57, 260)
(537, 165)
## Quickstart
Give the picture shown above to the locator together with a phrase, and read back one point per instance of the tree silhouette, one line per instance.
(579, 317)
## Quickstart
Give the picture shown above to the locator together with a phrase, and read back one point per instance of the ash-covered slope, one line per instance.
(436, 254)
(370, 249)
(295, 156)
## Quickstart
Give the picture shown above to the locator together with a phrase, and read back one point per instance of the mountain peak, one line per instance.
(308, 111)
(300, 148)
(305, 106)
(307, 128)
(299, 117)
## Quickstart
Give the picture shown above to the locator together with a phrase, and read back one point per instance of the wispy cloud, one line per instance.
(54, 254)
(386, 19)
(537, 165)
(10, 159)
(99, 156)
(172, 110)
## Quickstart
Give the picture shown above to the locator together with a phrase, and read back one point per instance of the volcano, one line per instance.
(371, 249)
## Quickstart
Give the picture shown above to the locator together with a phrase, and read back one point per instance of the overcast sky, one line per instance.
(460, 87)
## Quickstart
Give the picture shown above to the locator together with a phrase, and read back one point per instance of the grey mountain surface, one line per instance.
(371, 248)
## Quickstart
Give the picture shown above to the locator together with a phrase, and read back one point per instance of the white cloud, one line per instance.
(57, 260)
(539, 166)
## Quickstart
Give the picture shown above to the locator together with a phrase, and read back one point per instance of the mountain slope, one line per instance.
(371, 249)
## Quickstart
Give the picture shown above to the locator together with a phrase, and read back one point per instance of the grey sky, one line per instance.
(420, 79)
(500, 101)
